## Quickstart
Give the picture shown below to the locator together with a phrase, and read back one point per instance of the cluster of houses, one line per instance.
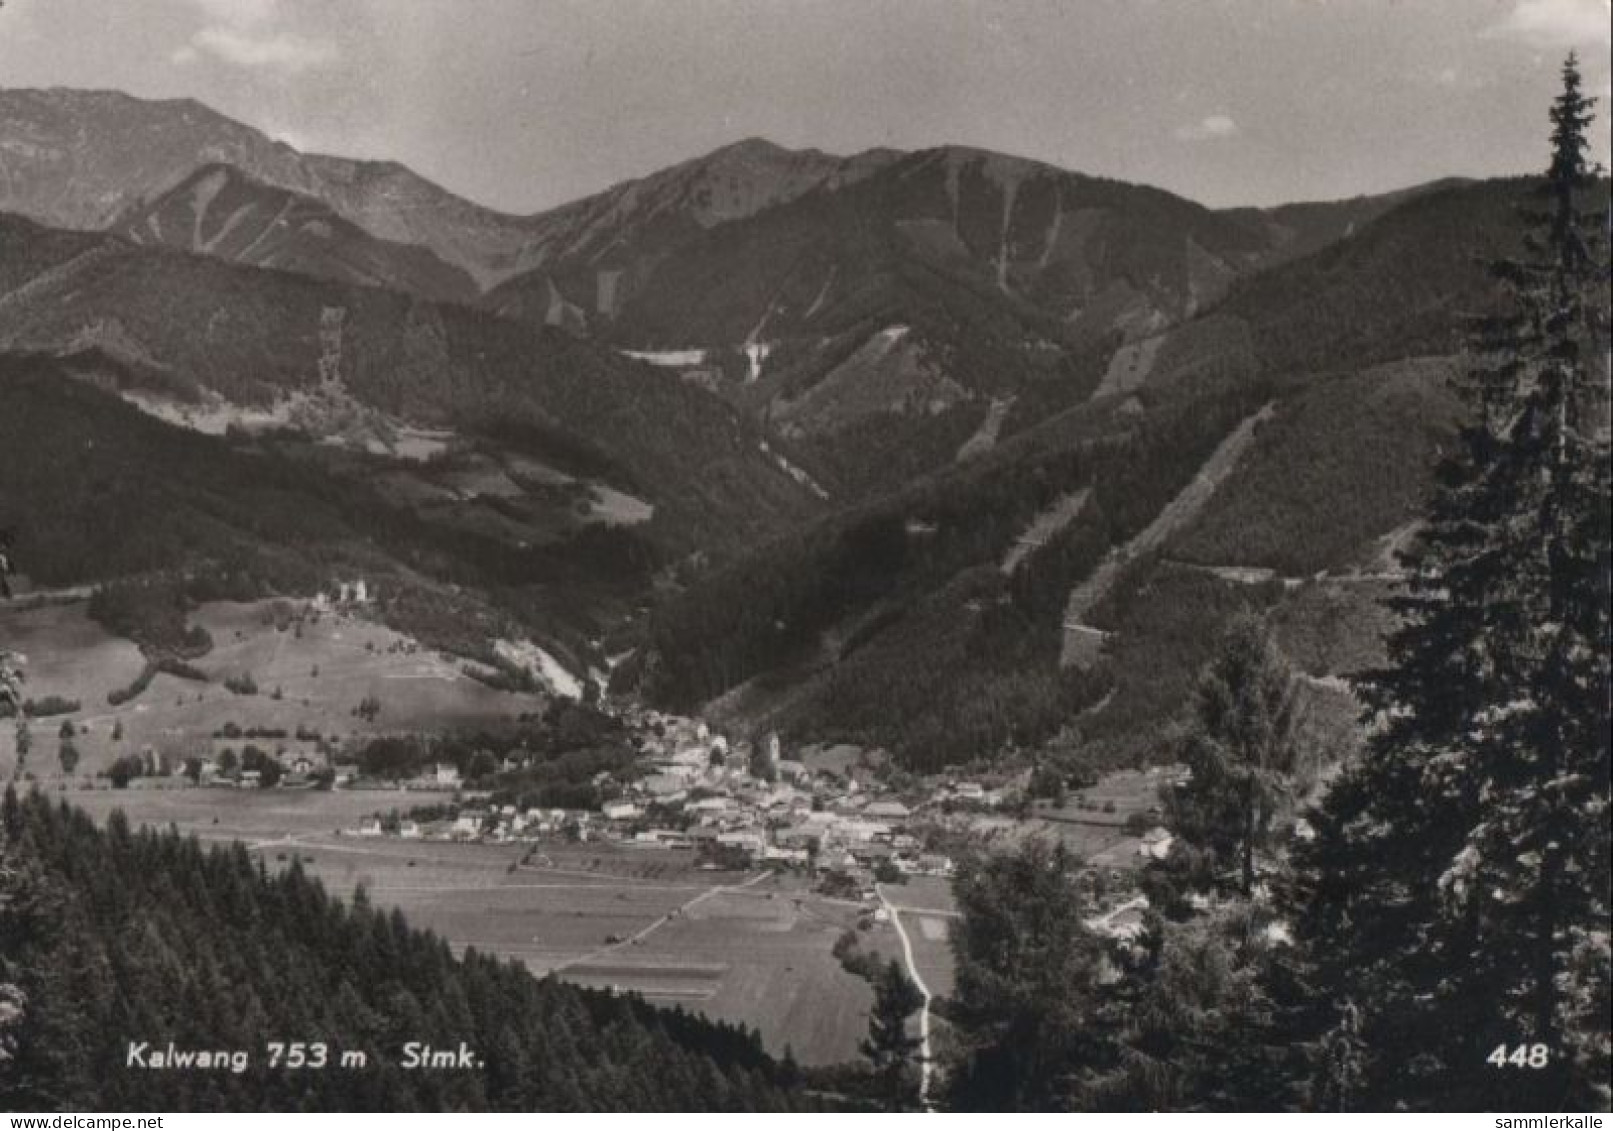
(298, 767)
(738, 804)
(699, 791)
(732, 802)
(485, 823)
(343, 595)
(298, 771)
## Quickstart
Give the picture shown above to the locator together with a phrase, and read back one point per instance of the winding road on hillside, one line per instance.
(1082, 640)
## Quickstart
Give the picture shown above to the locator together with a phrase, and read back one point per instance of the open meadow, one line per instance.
(748, 948)
(927, 911)
(1092, 822)
(311, 673)
(751, 948)
(756, 952)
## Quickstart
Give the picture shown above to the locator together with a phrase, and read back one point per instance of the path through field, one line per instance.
(640, 936)
(743, 948)
(918, 980)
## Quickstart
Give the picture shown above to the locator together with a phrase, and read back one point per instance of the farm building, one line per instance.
(888, 810)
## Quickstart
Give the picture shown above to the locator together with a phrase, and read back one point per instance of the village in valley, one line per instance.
(843, 816)
(837, 815)
(519, 808)
(896, 557)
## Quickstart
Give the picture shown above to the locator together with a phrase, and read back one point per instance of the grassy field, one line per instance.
(1092, 833)
(927, 909)
(747, 948)
(543, 917)
(321, 671)
(760, 955)
(251, 815)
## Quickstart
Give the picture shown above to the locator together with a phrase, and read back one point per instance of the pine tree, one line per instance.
(11, 681)
(109, 933)
(1458, 890)
(1241, 748)
(1189, 1021)
(890, 1047)
(1028, 976)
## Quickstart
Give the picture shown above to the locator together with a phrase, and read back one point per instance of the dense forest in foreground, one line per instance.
(113, 937)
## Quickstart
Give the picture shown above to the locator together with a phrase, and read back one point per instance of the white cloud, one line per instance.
(279, 50)
(1212, 128)
(247, 33)
(1556, 23)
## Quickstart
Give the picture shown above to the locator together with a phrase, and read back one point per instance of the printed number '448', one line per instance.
(1523, 1056)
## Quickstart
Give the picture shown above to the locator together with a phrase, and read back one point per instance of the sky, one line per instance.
(525, 104)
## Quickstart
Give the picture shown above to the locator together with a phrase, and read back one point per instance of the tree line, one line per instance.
(111, 936)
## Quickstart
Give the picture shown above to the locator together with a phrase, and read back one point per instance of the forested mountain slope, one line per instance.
(593, 254)
(897, 622)
(916, 313)
(220, 211)
(95, 490)
(84, 158)
(367, 364)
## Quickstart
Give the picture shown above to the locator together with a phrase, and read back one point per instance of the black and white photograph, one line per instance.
(833, 557)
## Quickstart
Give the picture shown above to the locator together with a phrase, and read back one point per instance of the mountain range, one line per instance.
(948, 451)
(221, 212)
(82, 159)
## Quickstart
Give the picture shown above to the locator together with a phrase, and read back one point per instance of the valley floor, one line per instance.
(752, 948)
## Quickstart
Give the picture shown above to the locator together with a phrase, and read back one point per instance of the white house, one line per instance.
(621, 811)
(864, 832)
(447, 774)
(693, 757)
(1156, 844)
(747, 839)
(711, 805)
